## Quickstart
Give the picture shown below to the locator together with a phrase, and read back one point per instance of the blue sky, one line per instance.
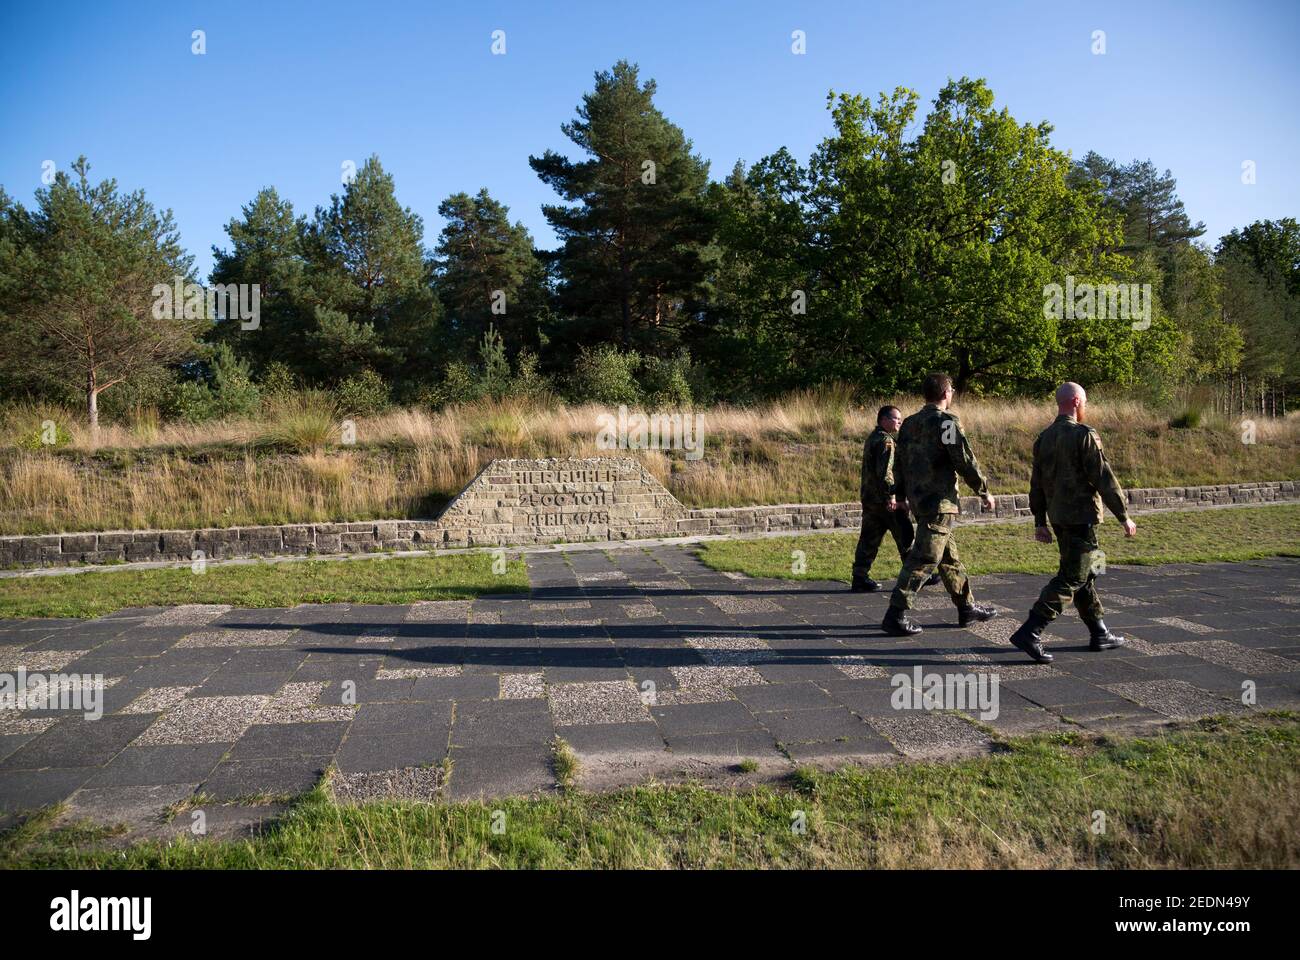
(287, 92)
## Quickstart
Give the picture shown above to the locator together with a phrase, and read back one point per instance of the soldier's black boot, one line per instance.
(1029, 638)
(976, 612)
(1100, 637)
(864, 585)
(932, 580)
(896, 623)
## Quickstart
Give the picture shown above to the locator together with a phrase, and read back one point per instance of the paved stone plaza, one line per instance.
(644, 660)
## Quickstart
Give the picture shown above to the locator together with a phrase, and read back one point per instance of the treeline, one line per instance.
(903, 245)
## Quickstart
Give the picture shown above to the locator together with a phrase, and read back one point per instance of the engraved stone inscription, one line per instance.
(549, 501)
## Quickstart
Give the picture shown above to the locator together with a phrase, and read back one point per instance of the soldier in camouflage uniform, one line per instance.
(932, 452)
(881, 511)
(1070, 482)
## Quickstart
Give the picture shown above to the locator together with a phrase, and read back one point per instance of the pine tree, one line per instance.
(1154, 216)
(486, 272)
(631, 266)
(81, 271)
(368, 284)
(266, 250)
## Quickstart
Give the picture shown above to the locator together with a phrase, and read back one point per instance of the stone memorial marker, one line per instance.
(556, 501)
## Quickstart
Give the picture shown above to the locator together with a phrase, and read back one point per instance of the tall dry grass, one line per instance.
(289, 466)
(824, 414)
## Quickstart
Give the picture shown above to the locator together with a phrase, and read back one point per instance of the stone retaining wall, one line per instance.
(484, 516)
(821, 516)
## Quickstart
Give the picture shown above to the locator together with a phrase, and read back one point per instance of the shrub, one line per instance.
(529, 383)
(606, 375)
(279, 380)
(494, 369)
(156, 389)
(44, 434)
(464, 384)
(460, 384)
(362, 394)
(226, 391)
(667, 383)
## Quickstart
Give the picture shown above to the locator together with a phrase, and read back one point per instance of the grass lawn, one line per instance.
(1189, 536)
(98, 592)
(1217, 793)
(1174, 537)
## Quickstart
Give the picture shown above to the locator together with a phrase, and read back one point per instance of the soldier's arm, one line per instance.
(886, 468)
(1037, 494)
(963, 459)
(900, 474)
(1102, 477)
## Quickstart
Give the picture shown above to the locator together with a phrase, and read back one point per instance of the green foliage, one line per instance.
(529, 383)
(635, 228)
(151, 389)
(1259, 268)
(886, 257)
(606, 375)
(362, 394)
(1152, 215)
(266, 250)
(368, 284)
(38, 430)
(278, 380)
(485, 262)
(492, 376)
(912, 240)
(227, 390)
(79, 273)
(667, 383)
(494, 368)
(460, 384)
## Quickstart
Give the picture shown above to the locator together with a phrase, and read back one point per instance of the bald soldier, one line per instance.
(932, 453)
(1070, 482)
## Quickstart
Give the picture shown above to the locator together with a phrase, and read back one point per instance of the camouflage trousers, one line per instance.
(876, 522)
(1076, 577)
(932, 547)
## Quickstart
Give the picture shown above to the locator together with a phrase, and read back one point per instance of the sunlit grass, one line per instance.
(95, 593)
(1217, 794)
(1188, 536)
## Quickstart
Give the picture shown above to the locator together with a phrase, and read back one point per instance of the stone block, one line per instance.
(259, 533)
(78, 544)
(328, 543)
(177, 541)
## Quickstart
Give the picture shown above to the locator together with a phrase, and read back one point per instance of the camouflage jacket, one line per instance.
(1071, 476)
(932, 453)
(878, 468)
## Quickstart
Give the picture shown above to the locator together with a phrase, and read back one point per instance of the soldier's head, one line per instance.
(889, 419)
(938, 389)
(1071, 400)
